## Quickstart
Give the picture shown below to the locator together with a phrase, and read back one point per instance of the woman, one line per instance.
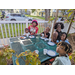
(33, 29)
(58, 26)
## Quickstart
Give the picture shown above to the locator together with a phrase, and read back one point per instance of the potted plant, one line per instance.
(31, 58)
(5, 53)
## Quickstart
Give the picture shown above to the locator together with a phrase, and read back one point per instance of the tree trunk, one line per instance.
(71, 22)
(47, 14)
(55, 21)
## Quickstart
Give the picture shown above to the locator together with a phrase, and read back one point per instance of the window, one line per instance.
(17, 15)
(39, 13)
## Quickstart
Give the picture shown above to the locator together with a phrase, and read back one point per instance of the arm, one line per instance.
(56, 62)
(45, 34)
(36, 31)
(42, 33)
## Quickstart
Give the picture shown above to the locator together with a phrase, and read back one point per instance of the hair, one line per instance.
(56, 24)
(65, 34)
(26, 29)
(34, 21)
(68, 47)
(48, 28)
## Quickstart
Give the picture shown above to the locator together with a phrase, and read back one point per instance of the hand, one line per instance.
(44, 31)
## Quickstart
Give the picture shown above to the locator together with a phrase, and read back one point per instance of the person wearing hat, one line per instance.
(33, 29)
(58, 26)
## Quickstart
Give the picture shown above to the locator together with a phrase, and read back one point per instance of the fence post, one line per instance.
(26, 23)
(51, 29)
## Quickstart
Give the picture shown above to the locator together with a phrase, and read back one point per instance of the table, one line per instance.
(36, 43)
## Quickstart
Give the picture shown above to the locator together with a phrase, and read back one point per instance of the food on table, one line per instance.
(22, 37)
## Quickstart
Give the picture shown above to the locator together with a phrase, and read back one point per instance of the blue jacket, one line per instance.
(64, 41)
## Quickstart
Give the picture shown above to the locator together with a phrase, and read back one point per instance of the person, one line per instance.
(33, 29)
(59, 19)
(63, 49)
(58, 26)
(26, 32)
(54, 39)
(62, 19)
(63, 38)
(46, 32)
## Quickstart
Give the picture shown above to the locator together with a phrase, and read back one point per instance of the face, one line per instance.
(47, 30)
(34, 24)
(61, 50)
(63, 37)
(59, 27)
(26, 31)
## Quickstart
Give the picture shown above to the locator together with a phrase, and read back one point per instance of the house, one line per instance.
(38, 12)
(54, 13)
(41, 12)
(16, 10)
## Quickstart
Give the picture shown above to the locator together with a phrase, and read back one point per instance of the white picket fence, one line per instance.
(9, 29)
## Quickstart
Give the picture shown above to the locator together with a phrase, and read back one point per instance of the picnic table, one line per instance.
(20, 45)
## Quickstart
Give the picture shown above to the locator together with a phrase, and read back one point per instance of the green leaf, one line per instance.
(17, 62)
(69, 10)
(70, 14)
(70, 57)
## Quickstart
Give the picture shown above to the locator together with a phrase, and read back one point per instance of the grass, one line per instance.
(13, 25)
(43, 18)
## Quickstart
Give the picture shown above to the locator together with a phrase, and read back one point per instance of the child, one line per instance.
(33, 29)
(26, 33)
(63, 49)
(58, 26)
(63, 38)
(46, 33)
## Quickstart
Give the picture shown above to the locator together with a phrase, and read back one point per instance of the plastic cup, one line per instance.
(36, 51)
(42, 35)
(44, 51)
(49, 40)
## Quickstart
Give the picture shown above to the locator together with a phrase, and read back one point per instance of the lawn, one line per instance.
(13, 25)
(43, 18)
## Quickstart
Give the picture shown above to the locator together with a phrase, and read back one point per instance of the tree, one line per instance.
(47, 14)
(55, 21)
(71, 13)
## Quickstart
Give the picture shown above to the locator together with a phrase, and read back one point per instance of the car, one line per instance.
(17, 17)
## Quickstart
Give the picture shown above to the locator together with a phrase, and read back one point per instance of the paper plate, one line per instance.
(42, 37)
(46, 39)
(51, 43)
(51, 53)
(22, 37)
(31, 36)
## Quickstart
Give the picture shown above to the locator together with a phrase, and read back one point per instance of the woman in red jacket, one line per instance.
(33, 29)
